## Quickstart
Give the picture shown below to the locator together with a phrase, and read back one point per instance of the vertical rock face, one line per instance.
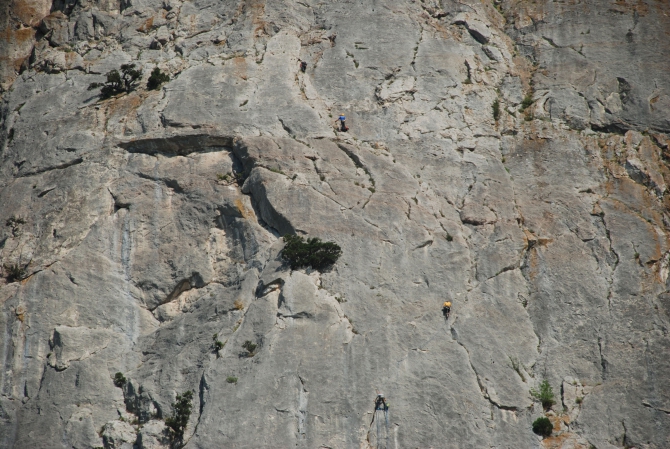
(509, 157)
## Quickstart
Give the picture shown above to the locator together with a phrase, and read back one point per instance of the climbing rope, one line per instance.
(383, 429)
(382, 420)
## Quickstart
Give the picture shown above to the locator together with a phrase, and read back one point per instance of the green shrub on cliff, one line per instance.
(311, 253)
(527, 101)
(117, 83)
(176, 424)
(250, 347)
(119, 380)
(545, 394)
(156, 79)
(542, 426)
(14, 272)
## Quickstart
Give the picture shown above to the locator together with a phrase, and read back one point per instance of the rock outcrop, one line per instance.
(510, 157)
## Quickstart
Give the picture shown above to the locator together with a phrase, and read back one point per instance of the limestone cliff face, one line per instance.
(547, 228)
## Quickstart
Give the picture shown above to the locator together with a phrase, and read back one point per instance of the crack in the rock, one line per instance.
(45, 191)
(201, 394)
(42, 377)
(648, 405)
(551, 42)
(366, 202)
(117, 205)
(170, 183)
(63, 166)
(72, 280)
(424, 244)
(482, 387)
(504, 270)
(358, 162)
(372, 224)
(180, 145)
(610, 279)
(288, 130)
(194, 281)
(416, 49)
(603, 362)
(327, 197)
(524, 255)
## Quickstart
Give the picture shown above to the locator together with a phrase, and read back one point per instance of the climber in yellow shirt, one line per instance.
(446, 309)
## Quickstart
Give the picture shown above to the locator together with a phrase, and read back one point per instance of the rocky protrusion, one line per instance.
(119, 435)
(76, 344)
(477, 28)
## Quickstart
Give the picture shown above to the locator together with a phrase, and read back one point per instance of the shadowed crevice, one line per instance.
(178, 145)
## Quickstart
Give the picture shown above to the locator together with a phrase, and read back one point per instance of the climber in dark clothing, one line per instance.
(343, 125)
(381, 407)
(303, 65)
(380, 403)
(446, 309)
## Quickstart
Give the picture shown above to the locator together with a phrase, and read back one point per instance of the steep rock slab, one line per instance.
(145, 228)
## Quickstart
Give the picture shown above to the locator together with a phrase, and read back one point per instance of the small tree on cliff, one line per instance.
(542, 426)
(176, 424)
(545, 394)
(117, 83)
(313, 252)
(156, 79)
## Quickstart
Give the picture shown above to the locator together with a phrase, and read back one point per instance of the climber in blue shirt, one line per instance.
(343, 126)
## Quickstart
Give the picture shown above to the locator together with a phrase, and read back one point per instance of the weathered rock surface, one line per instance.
(136, 232)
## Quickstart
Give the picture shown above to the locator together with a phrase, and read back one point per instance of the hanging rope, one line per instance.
(383, 428)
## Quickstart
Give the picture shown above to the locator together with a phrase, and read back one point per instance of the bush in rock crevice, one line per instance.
(156, 79)
(176, 424)
(310, 253)
(117, 83)
(542, 426)
(545, 394)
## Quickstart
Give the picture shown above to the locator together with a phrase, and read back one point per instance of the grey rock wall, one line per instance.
(147, 226)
